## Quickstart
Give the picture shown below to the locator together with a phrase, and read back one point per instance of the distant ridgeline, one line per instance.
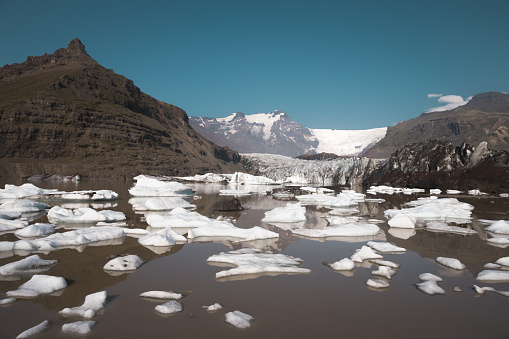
(65, 114)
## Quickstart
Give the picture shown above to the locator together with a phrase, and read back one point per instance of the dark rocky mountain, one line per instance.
(440, 164)
(65, 114)
(484, 118)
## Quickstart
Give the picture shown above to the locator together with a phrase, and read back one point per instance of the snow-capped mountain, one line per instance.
(276, 133)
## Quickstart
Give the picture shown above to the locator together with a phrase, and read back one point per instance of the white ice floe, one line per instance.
(391, 190)
(37, 329)
(493, 275)
(164, 237)
(239, 319)
(336, 220)
(435, 191)
(253, 261)
(385, 263)
(365, 253)
(498, 241)
(499, 227)
(89, 195)
(345, 264)
(319, 190)
(160, 204)
(385, 247)
(83, 215)
(147, 186)
(162, 295)
(504, 261)
(7, 301)
(37, 285)
(93, 303)
(23, 206)
(30, 264)
(377, 283)
(451, 263)
(429, 276)
(178, 218)
(36, 230)
(344, 211)
(430, 287)
(483, 290)
(214, 307)
(207, 178)
(288, 213)
(125, 263)
(432, 208)
(169, 307)
(384, 271)
(235, 192)
(346, 230)
(453, 192)
(476, 192)
(402, 221)
(25, 190)
(12, 225)
(78, 327)
(225, 229)
(326, 200)
(440, 227)
(248, 179)
(504, 195)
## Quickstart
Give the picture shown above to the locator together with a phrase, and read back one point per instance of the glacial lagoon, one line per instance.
(322, 302)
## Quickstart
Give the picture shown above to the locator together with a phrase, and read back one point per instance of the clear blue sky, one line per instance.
(328, 64)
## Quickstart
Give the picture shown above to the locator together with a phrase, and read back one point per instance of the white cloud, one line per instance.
(449, 101)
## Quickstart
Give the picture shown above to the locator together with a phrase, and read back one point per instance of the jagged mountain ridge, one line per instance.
(276, 133)
(64, 113)
(484, 118)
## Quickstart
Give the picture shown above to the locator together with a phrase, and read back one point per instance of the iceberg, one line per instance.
(25, 190)
(93, 303)
(498, 227)
(37, 285)
(169, 307)
(365, 253)
(503, 261)
(253, 261)
(289, 213)
(161, 204)
(384, 271)
(225, 229)
(147, 186)
(451, 263)
(125, 263)
(345, 264)
(239, 319)
(402, 221)
(31, 263)
(432, 208)
(385, 247)
(327, 200)
(493, 275)
(98, 195)
(249, 179)
(178, 218)
(23, 206)
(83, 215)
(37, 329)
(164, 237)
(161, 295)
(11, 225)
(78, 327)
(35, 231)
(346, 230)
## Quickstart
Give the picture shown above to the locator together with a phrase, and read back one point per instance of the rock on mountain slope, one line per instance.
(484, 118)
(276, 133)
(64, 113)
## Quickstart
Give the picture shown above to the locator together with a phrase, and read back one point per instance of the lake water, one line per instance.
(323, 303)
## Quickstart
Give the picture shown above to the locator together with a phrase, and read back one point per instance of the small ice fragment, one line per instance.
(39, 284)
(435, 191)
(430, 287)
(457, 289)
(451, 263)
(239, 319)
(503, 261)
(492, 266)
(345, 264)
(491, 275)
(385, 263)
(384, 271)
(385, 247)
(213, 307)
(453, 192)
(365, 253)
(377, 283)
(30, 263)
(429, 276)
(482, 290)
(125, 263)
(93, 303)
(7, 301)
(34, 330)
(169, 307)
(78, 327)
(161, 295)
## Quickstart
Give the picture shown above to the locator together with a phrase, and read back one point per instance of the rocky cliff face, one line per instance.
(439, 164)
(484, 118)
(64, 113)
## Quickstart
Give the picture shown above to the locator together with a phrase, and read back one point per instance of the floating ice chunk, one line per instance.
(7, 301)
(11, 225)
(345, 264)
(164, 237)
(453, 192)
(83, 215)
(385, 263)
(326, 200)
(36, 230)
(163, 204)
(213, 307)
(207, 178)
(504, 195)
(239, 319)
(78, 327)
(37, 285)
(31, 263)
(482, 290)
(343, 211)
(248, 179)
(429, 276)
(402, 233)
(169, 307)
(432, 208)
(235, 192)
(226, 229)
(347, 230)
(377, 283)
(365, 253)
(37, 329)
(336, 221)
(89, 195)
(383, 190)
(451, 263)
(161, 295)
(93, 303)
(493, 275)
(147, 186)
(384, 271)
(498, 241)
(503, 261)
(499, 227)
(492, 266)
(25, 190)
(430, 287)
(178, 218)
(435, 191)
(402, 221)
(252, 261)
(385, 247)
(476, 192)
(435, 226)
(289, 213)
(135, 231)
(125, 263)
(23, 206)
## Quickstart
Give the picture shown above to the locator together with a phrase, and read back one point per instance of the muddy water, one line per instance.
(322, 303)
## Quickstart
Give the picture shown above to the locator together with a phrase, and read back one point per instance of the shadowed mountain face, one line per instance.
(65, 114)
(484, 118)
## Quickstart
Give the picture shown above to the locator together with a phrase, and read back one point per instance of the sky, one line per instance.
(327, 64)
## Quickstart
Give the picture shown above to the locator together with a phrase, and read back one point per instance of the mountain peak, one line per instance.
(490, 102)
(76, 46)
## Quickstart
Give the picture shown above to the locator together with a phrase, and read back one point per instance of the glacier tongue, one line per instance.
(341, 171)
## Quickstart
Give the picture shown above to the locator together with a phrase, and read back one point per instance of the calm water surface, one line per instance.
(323, 303)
